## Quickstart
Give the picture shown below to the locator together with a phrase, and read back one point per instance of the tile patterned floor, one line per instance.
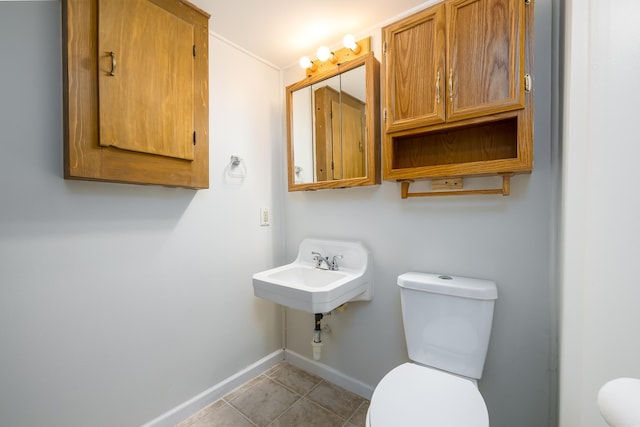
(284, 396)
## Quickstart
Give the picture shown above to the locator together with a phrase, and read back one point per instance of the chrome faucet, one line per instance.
(319, 259)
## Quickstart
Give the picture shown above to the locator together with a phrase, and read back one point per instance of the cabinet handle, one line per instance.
(113, 63)
(527, 83)
(438, 88)
(451, 84)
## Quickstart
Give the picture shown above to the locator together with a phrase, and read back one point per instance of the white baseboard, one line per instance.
(328, 373)
(207, 397)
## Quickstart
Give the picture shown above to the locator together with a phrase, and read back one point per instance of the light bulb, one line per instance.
(305, 62)
(324, 53)
(350, 42)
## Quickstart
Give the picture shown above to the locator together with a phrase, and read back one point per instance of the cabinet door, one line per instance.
(146, 78)
(85, 63)
(485, 57)
(414, 70)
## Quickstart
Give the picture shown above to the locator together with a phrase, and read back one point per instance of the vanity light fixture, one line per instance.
(328, 59)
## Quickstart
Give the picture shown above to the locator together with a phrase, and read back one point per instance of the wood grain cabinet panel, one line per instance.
(455, 100)
(485, 56)
(414, 70)
(136, 92)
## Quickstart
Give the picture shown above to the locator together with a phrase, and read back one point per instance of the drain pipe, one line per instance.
(316, 344)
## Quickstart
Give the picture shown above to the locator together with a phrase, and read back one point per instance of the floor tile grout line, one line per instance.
(241, 414)
(299, 395)
(270, 422)
(291, 389)
(356, 411)
(315, 386)
(255, 380)
(269, 375)
(320, 405)
(304, 396)
(284, 412)
(320, 381)
(286, 409)
(275, 368)
(344, 421)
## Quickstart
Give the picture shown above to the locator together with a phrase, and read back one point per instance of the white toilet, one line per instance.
(447, 324)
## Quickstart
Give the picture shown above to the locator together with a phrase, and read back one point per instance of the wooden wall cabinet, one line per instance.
(136, 92)
(457, 98)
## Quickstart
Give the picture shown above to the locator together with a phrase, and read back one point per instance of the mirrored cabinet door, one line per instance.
(333, 128)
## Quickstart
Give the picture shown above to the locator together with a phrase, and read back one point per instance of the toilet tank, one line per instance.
(447, 320)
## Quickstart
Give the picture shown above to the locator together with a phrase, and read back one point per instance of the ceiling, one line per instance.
(281, 31)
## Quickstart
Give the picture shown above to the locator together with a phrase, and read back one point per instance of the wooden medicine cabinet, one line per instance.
(136, 92)
(457, 97)
(333, 127)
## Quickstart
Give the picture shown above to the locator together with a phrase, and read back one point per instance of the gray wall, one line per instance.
(119, 302)
(505, 239)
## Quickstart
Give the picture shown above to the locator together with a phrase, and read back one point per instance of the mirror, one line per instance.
(333, 127)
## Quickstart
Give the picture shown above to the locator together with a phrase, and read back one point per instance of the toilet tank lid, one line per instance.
(449, 285)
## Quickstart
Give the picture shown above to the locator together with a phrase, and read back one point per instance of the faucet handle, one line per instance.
(334, 262)
(318, 258)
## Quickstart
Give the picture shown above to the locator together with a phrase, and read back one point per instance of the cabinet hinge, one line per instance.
(385, 115)
(194, 50)
(528, 84)
(384, 48)
(194, 137)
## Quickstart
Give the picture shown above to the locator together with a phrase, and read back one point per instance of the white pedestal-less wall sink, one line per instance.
(325, 275)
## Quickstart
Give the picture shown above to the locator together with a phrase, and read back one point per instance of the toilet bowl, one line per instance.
(447, 324)
(413, 395)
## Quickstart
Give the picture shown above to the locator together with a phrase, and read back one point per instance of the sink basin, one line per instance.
(303, 286)
(306, 277)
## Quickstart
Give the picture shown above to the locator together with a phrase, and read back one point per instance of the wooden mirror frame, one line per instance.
(372, 112)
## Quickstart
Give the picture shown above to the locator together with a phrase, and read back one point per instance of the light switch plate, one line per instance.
(265, 216)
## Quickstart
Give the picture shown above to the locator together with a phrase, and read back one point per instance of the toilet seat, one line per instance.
(413, 395)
